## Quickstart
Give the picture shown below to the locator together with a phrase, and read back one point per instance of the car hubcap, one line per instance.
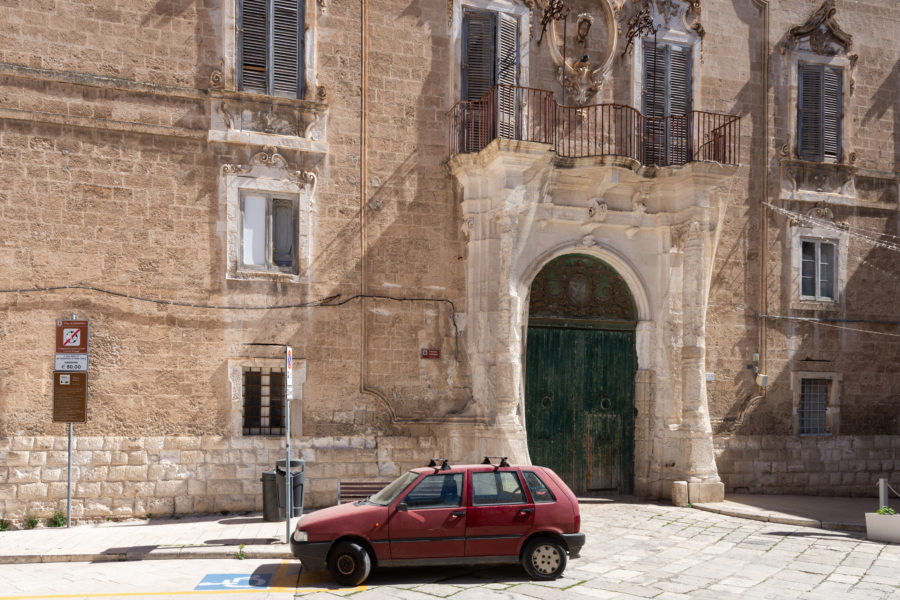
(346, 564)
(545, 559)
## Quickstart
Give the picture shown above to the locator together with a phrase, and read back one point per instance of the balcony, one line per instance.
(532, 115)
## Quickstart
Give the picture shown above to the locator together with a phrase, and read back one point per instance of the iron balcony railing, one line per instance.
(532, 115)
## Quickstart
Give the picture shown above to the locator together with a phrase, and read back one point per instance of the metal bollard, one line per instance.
(882, 493)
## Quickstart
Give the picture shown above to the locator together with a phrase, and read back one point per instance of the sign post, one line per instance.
(289, 475)
(70, 385)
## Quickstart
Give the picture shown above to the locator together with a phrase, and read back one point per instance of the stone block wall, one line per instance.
(133, 477)
(808, 465)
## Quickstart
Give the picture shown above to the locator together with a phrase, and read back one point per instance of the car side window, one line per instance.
(497, 487)
(539, 490)
(436, 491)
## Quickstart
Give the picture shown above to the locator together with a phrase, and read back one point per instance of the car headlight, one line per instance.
(299, 536)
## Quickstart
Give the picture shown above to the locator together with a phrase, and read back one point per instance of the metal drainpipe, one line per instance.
(763, 217)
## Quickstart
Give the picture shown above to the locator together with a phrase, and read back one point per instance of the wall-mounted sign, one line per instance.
(69, 397)
(71, 346)
(431, 353)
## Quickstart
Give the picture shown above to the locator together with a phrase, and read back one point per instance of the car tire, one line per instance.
(544, 558)
(349, 564)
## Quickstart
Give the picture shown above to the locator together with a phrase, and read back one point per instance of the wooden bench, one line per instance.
(351, 491)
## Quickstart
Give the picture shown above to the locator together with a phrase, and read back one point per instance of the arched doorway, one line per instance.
(579, 374)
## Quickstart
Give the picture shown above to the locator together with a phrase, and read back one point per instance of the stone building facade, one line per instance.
(640, 241)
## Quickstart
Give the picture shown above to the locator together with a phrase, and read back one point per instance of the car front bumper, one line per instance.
(312, 555)
(574, 542)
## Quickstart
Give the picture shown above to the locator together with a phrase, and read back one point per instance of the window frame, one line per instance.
(235, 371)
(270, 42)
(270, 198)
(817, 234)
(791, 100)
(267, 402)
(825, 153)
(495, 473)
(460, 480)
(817, 244)
(832, 402)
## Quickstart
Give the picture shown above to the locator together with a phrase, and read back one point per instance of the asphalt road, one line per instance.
(632, 551)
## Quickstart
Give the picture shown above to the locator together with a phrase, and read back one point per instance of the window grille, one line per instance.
(263, 401)
(813, 405)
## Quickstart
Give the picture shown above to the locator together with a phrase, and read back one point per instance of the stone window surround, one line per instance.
(799, 234)
(791, 99)
(236, 368)
(230, 50)
(690, 39)
(263, 180)
(510, 7)
(833, 406)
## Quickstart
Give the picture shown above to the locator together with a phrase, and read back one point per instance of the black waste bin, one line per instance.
(272, 509)
(298, 478)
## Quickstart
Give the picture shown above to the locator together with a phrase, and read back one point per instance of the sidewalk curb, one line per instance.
(781, 519)
(199, 552)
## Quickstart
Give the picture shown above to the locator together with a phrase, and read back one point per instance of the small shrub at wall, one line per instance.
(4, 525)
(31, 522)
(886, 510)
(57, 520)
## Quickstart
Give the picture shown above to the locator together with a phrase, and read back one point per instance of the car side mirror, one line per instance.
(402, 507)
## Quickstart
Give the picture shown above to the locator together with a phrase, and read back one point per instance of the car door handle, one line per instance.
(525, 511)
(458, 513)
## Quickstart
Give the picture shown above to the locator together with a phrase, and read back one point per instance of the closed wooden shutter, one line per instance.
(253, 46)
(478, 64)
(507, 74)
(270, 41)
(832, 80)
(819, 112)
(666, 97)
(286, 49)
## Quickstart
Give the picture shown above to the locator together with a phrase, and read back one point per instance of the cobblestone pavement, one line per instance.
(633, 550)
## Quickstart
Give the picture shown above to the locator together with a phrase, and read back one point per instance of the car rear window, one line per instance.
(539, 490)
(497, 487)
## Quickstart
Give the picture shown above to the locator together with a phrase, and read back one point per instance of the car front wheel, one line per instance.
(349, 564)
(544, 558)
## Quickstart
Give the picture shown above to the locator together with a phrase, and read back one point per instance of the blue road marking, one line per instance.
(235, 581)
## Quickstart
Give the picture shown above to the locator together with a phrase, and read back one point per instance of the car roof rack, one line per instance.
(503, 462)
(440, 463)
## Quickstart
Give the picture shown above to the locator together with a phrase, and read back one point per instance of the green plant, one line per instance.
(886, 510)
(149, 516)
(4, 525)
(31, 522)
(224, 513)
(57, 520)
(240, 554)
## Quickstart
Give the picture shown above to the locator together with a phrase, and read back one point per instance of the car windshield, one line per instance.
(393, 489)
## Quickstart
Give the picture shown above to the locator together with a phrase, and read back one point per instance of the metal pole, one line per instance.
(69, 487)
(288, 474)
(882, 493)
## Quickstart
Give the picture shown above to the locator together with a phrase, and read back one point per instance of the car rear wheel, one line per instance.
(544, 558)
(349, 564)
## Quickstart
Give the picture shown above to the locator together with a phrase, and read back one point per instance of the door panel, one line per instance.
(579, 405)
(434, 524)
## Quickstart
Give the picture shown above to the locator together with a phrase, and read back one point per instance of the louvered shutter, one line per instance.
(283, 232)
(666, 100)
(809, 113)
(832, 96)
(286, 47)
(678, 103)
(253, 46)
(478, 54)
(653, 102)
(507, 74)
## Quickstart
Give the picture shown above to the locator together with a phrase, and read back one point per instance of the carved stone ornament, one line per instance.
(307, 178)
(821, 33)
(216, 78)
(598, 210)
(270, 157)
(323, 6)
(647, 17)
(577, 286)
(228, 169)
(227, 117)
(581, 78)
(531, 4)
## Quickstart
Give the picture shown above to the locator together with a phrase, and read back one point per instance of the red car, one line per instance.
(444, 515)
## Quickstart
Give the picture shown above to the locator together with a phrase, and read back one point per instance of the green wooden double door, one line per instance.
(579, 406)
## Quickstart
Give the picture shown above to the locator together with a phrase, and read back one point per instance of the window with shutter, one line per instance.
(270, 43)
(666, 96)
(819, 112)
(817, 270)
(268, 233)
(490, 56)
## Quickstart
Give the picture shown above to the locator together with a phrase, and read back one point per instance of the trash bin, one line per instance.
(298, 478)
(272, 509)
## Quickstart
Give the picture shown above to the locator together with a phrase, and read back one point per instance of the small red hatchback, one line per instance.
(447, 515)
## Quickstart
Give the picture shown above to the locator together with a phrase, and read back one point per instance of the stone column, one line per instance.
(699, 459)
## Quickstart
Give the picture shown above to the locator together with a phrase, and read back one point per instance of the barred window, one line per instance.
(813, 405)
(263, 401)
